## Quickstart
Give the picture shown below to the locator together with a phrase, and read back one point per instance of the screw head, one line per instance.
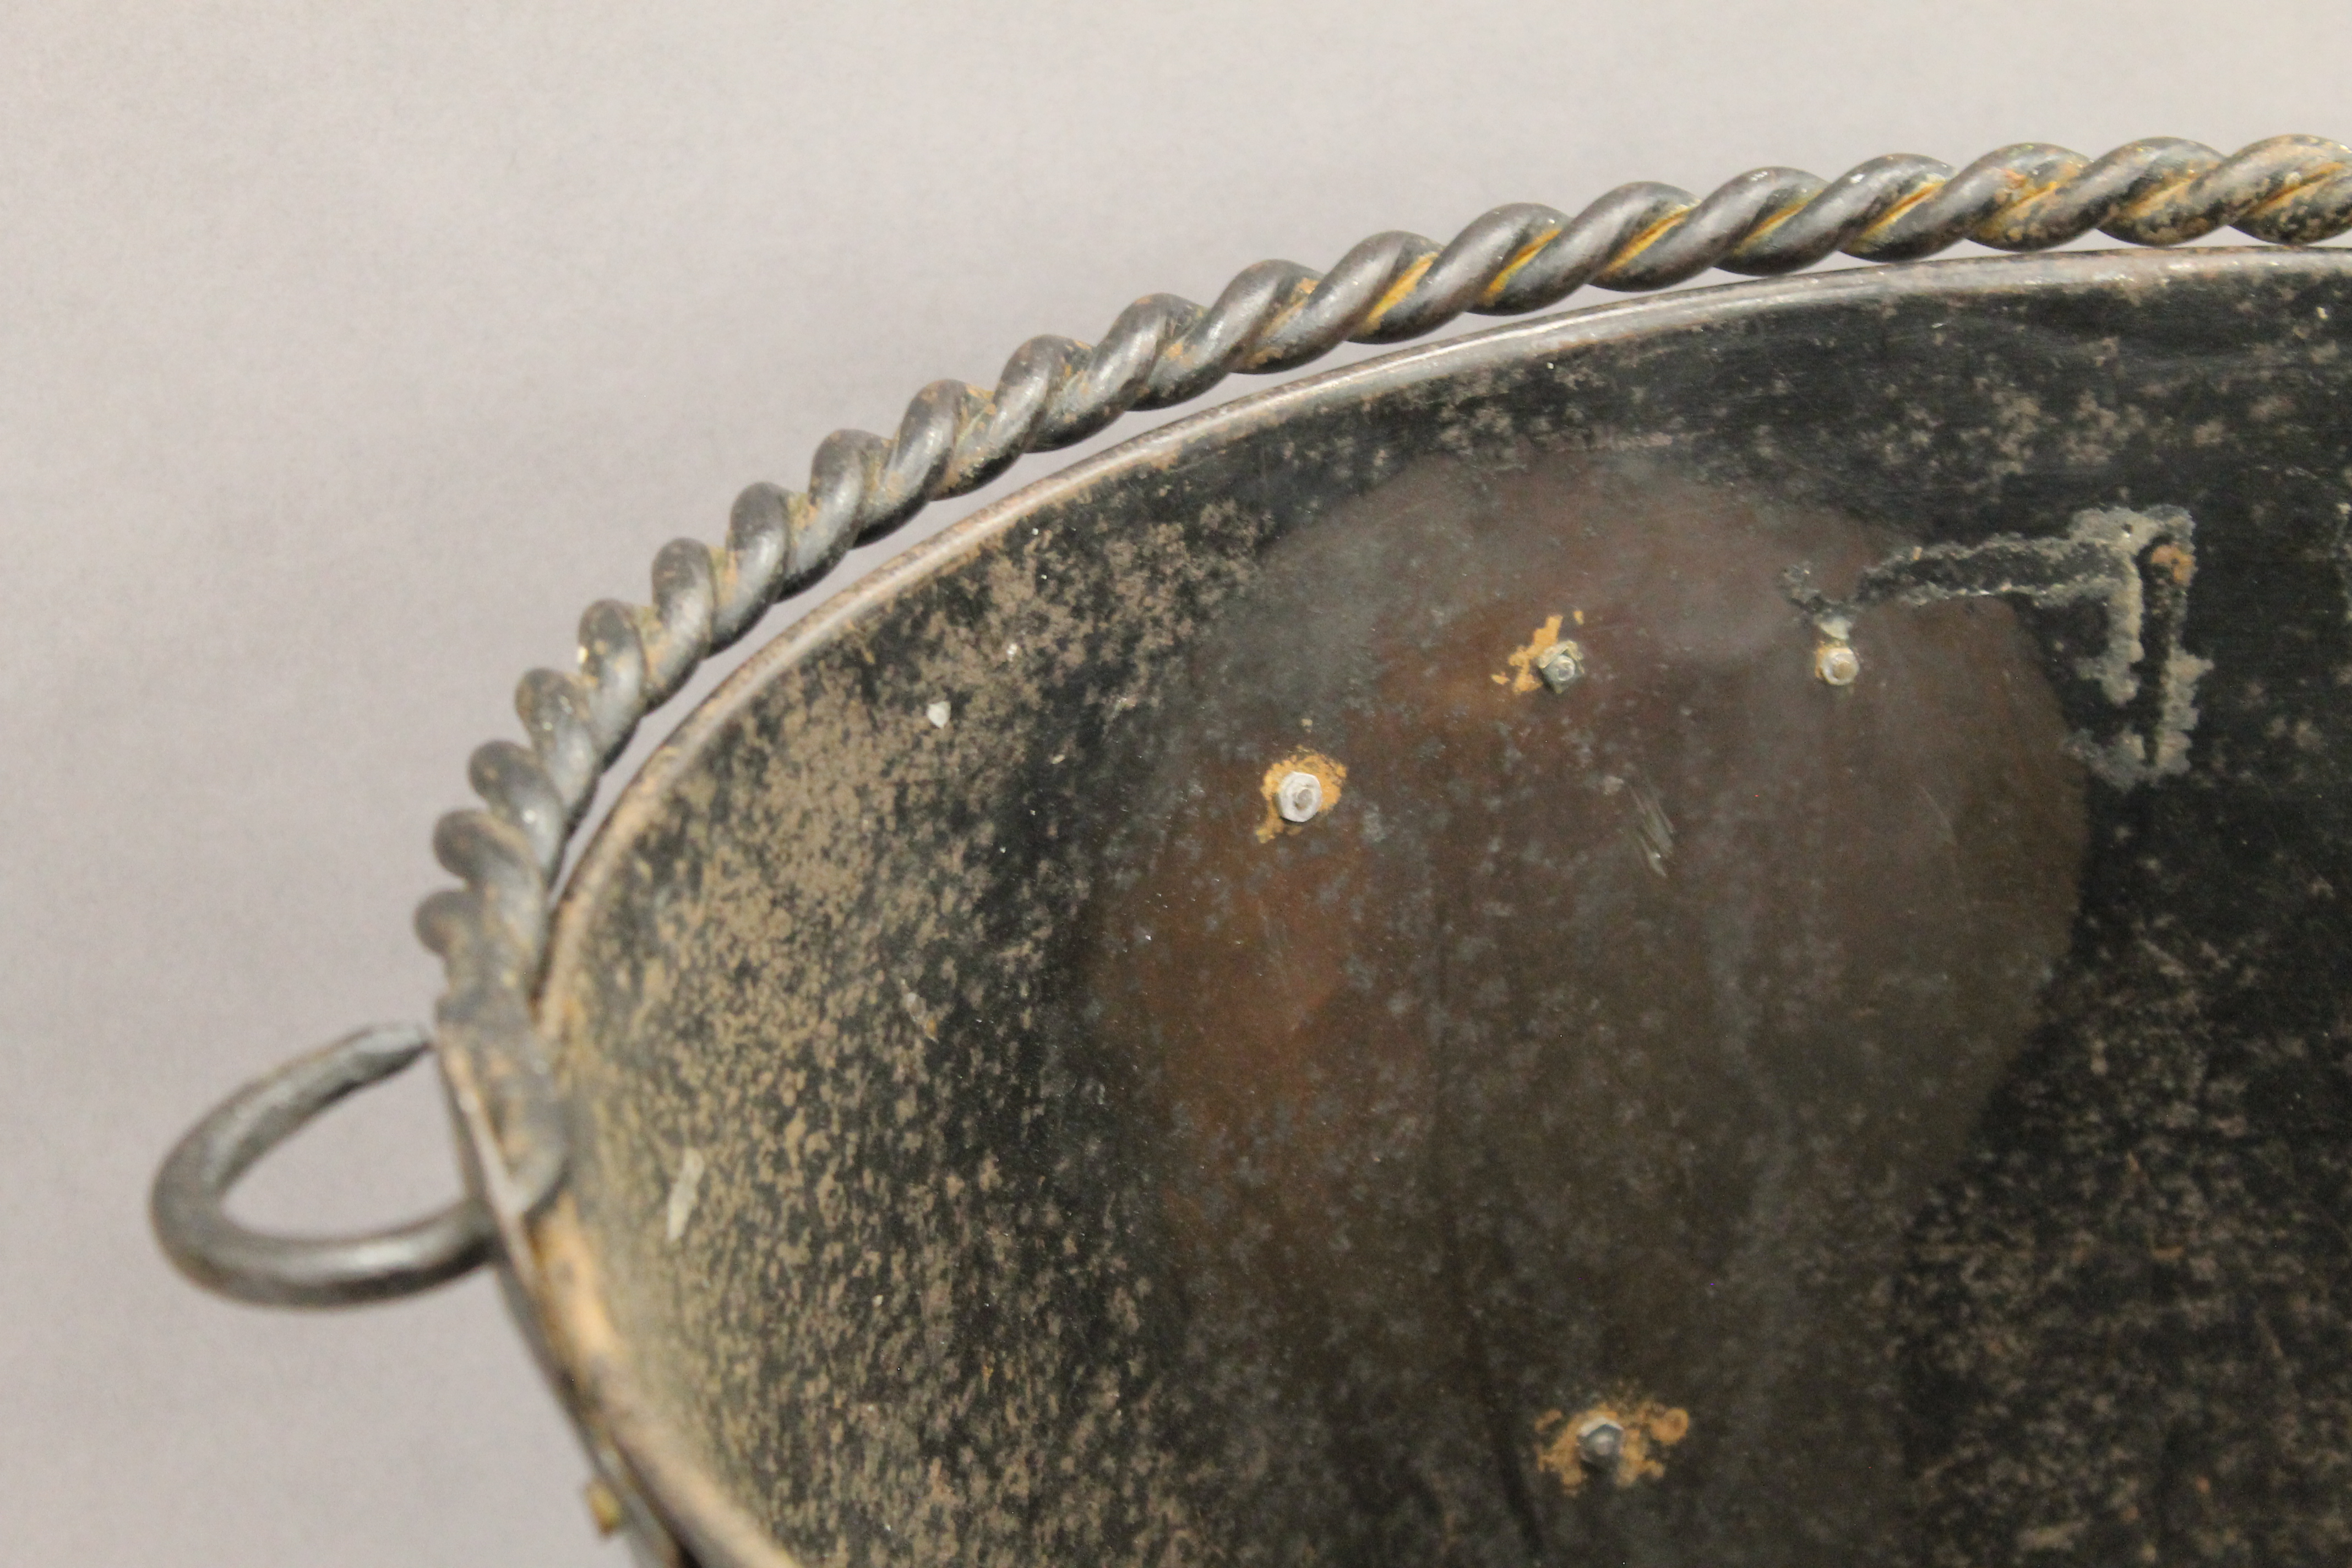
(1837, 664)
(1600, 1443)
(1299, 796)
(1560, 664)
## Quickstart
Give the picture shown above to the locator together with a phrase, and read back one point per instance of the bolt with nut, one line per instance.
(1600, 1444)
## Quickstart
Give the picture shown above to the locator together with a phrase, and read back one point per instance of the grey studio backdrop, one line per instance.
(348, 352)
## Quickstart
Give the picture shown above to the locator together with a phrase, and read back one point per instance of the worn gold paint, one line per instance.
(1649, 236)
(1397, 292)
(1886, 220)
(1511, 268)
(1766, 226)
(604, 1506)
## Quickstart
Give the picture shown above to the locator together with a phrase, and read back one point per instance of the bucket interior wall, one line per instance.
(1806, 1022)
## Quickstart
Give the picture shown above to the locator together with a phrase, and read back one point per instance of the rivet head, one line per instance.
(1561, 665)
(1298, 797)
(1600, 1443)
(1837, 664)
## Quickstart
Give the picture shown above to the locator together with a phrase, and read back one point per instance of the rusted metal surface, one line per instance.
(1933, 1129)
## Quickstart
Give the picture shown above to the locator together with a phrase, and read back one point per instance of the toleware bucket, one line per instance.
(1705, 931)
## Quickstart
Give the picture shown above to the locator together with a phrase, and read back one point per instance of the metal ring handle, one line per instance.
(187, 1204)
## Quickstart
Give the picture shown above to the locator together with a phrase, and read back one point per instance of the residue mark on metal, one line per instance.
(2135, 565)
(1652, 831)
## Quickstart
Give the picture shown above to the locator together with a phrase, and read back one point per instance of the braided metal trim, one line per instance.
(1161, 351)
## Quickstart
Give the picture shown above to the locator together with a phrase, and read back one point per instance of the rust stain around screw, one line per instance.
(1281, 792)
(1624, 1438)
(1546, 659)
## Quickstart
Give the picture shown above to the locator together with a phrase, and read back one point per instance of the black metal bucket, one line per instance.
(1702, 933)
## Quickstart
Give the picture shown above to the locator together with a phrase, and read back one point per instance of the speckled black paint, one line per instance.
(960, 1286)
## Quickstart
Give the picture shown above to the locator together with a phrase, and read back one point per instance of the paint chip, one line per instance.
(682, 1193)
